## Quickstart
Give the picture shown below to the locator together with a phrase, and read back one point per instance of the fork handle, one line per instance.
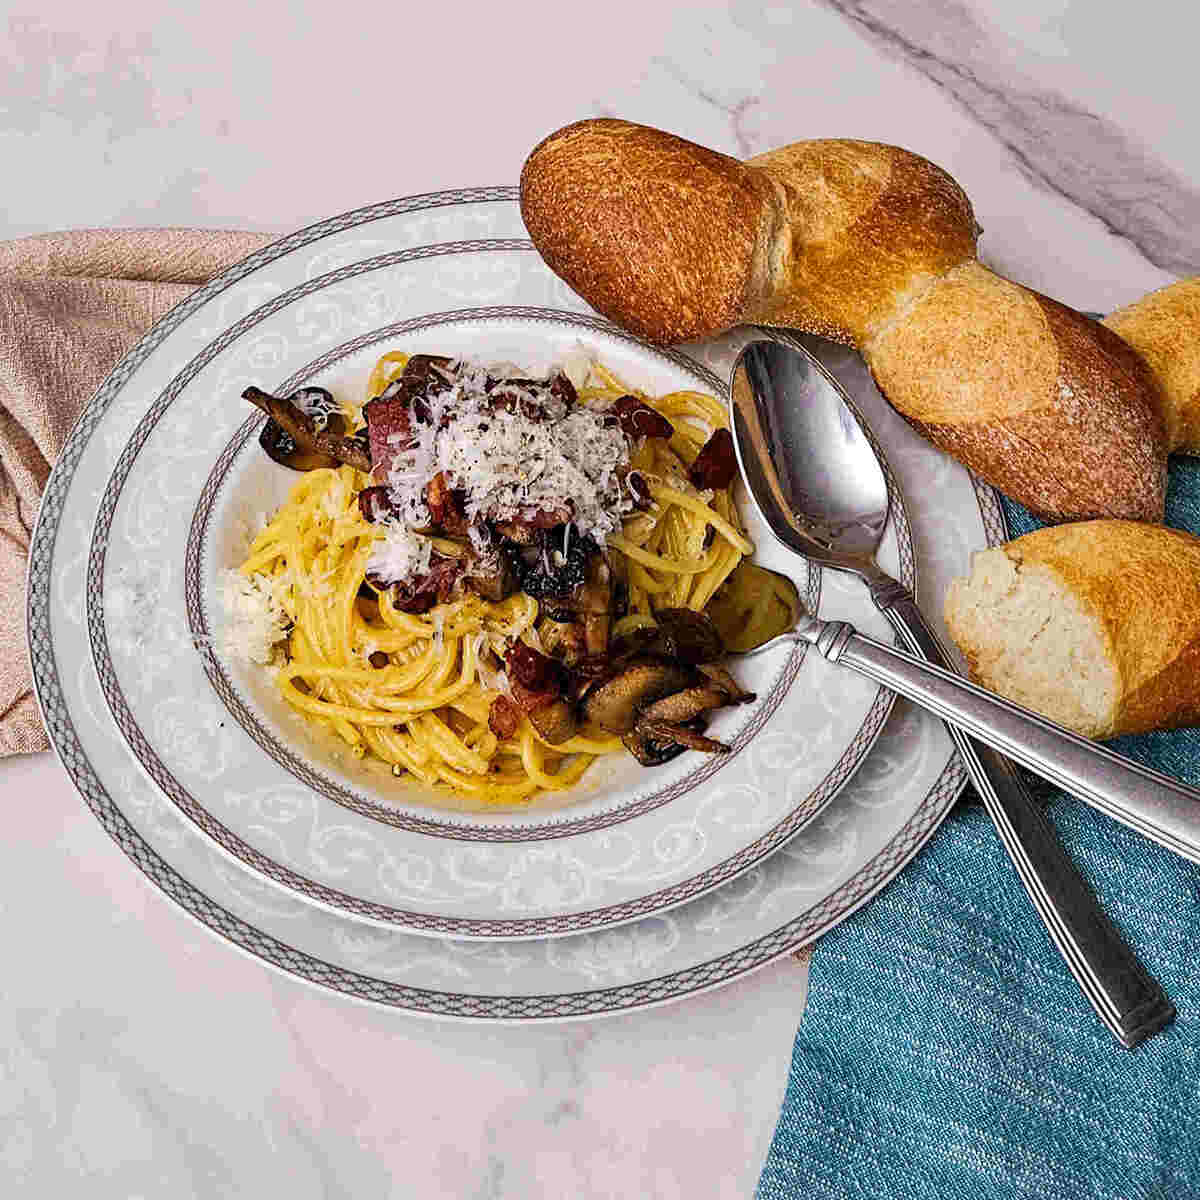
(1126, 999)
(1157, 806)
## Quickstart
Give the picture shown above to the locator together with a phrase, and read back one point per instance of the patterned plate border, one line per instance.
(800, 931)
(440, 923)
(562, 824)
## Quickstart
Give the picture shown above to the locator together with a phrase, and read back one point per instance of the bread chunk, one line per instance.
(1027, 636)
(1095, 625)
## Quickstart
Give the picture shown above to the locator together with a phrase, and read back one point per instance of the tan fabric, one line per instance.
(71, 304)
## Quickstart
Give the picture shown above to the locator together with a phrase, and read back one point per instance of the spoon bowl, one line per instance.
(807, 462)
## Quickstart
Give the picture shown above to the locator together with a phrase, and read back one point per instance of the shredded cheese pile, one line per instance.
(257, 620)
(509, 464)
(400, 554)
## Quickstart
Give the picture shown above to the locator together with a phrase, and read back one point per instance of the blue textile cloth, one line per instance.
(946, 1051)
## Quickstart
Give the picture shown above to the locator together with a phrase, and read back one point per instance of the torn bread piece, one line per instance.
(1095, 625)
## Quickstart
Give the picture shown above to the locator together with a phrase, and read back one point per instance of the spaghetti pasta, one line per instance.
(415, 689)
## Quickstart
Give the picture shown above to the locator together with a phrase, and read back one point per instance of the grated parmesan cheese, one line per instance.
(508, 464)
(577, 365)
(255, 619)
(400, 554)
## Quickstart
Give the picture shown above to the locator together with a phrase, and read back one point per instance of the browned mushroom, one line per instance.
(684, 705)
(653, 743)
(675, 722)
(649, 750)
(615, 703)
(563, 640)
(593, 599)
(688, 636)
(556, 722)
(642, 639)
(726, 682)
(282, 448)
(323, 435)
(492, 578)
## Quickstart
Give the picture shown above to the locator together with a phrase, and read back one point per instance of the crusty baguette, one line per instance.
(1049, 406)
(844, 206)
(663, 236)
(677, 242)
(875, 247)
(1096, 625)
(1164, 328)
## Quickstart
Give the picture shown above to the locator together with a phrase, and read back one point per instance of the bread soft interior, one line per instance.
(1026, 636)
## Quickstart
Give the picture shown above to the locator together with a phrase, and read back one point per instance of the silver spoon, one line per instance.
(817, 483)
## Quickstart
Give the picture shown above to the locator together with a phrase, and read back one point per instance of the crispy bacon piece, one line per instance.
(716, 464)
(446, 506)
(561, 388)
(536, 681)
(504, 718)
(505, 393)
(387, 417)
(532, 669)
(421, 593)
(638, 419)
(523, 528)
(375, 503)
(506, 398)
(529, 701)
(426, 372)
(639, 489)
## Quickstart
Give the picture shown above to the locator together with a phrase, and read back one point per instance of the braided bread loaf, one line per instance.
(875, 247)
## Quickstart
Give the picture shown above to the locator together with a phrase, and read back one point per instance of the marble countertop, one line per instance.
(143, 1058)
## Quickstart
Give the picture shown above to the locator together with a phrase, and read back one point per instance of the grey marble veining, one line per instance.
(1060, 143)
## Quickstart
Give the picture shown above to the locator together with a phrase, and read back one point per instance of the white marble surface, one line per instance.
(139, 1057)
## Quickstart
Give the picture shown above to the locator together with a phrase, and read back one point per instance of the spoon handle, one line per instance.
(1157, 806)
(1128, 1001)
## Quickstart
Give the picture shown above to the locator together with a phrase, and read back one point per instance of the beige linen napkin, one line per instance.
(71, 304)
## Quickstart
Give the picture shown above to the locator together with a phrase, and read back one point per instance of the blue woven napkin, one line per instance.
(945, 1050)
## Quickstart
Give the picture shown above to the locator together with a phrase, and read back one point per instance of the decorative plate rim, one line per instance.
(561, 823)
(744, 858)
(273, 952)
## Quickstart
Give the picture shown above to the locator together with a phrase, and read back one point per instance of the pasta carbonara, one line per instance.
(484, 557)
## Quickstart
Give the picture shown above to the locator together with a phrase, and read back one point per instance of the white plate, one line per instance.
(833, 866)
(189, 484)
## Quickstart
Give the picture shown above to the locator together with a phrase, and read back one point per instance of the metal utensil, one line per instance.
(819, 486)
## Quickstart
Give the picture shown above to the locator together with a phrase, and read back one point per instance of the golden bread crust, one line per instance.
(1142, 583)
(1040, 401)
(1164, 328)
(655, 232)
(869, 227)
(939, 368)
(873, 246)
